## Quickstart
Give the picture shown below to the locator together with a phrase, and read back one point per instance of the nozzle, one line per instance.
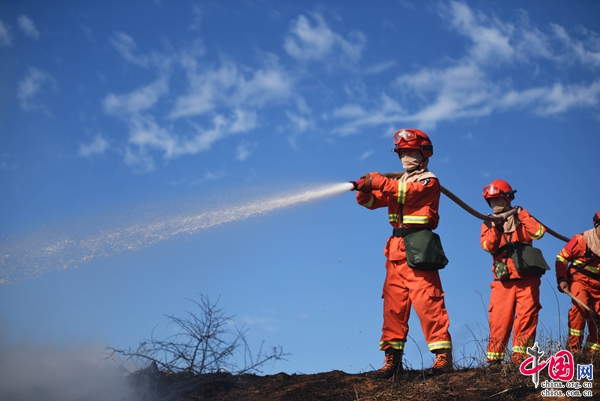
(355, 184)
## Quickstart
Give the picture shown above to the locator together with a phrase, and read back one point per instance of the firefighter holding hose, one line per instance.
(413, 253)
(517, 268)
(578, 272)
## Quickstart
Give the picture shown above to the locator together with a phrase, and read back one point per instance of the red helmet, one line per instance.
(499, 188)
(597, 219)
(410, 138)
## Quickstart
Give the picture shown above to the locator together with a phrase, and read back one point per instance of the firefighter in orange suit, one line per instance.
(515, 297)
(582, 276)
(412, 200)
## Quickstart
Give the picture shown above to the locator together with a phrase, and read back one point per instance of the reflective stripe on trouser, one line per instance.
(513, 304)
(587, 290)
(405, 287)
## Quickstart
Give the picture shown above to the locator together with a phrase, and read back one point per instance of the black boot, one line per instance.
(392, 366)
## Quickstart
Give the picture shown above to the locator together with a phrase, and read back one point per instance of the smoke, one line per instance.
(33, 372)
(73, 243)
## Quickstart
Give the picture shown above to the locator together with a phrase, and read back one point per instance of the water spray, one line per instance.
(42, 252)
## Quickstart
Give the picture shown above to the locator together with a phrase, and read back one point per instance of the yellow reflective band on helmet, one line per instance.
(415, 220)
(540, 232)
(440, 345)
(369, 203)
(401, 192)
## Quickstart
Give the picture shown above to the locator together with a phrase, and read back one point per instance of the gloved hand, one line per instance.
(369, 182)
(364, 184)
(562, 286)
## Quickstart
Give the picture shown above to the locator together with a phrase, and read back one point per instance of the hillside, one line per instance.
(491, 383)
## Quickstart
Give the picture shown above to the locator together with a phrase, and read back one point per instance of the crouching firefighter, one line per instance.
(413, 253)
(582, 277)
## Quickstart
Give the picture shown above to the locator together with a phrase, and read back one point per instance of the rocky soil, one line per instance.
(497, 383)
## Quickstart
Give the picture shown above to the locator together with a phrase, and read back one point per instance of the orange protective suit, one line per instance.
(583, 278)
(515, 301)
(416, 205)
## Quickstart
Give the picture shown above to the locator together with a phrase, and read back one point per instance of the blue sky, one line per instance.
(120, 117)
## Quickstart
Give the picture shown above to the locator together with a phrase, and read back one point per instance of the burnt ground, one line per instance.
(487, 383)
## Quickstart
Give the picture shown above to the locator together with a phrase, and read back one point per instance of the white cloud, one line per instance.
(219, 102)
(587, 52)
(554, 99)
(491, 38)
(146, 135)
(198, 15)
(299, 123)
(139, 160)
(127, 48)
(387, 111)
(306, 41)
(245, 149)
(366, 154)
(5, 37)
(380, 67)
(97, 147)
(28, 27)
(228, 86)
(31, 86)
(476, 84)
(136, 101)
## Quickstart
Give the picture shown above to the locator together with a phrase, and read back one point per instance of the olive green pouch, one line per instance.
(424, 251)
(528, 259)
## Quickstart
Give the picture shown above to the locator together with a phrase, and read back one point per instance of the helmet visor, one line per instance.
(491, 190)
(405, 137)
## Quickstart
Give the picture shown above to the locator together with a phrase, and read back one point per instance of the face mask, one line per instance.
(411, 162)
(498, 208)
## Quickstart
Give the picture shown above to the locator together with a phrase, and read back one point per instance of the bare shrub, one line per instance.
(205, 342)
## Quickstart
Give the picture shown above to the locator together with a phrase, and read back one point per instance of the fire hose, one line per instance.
(500, 218)
(493, 218)
(475, 213)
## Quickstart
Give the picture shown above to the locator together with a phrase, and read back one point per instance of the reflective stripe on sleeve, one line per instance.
(369, 203)
(560, 259)
(539, 233)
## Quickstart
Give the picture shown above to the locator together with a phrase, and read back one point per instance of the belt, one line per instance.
(403, 232)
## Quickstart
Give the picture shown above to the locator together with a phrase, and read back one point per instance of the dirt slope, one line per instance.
(498, 383)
